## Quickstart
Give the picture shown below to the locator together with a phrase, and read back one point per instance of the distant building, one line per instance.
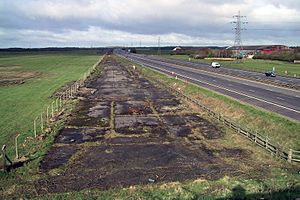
(177, 48)
(254, 49)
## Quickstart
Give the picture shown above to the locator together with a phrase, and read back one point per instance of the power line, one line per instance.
(238, 27)
(158, 46)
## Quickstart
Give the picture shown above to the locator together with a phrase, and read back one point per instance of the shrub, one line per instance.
(284, 56)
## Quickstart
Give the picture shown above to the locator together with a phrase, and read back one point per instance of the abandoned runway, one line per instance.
(127, 131)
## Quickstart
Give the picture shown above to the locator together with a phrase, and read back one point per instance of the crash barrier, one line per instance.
(262, 141)
(43, 122)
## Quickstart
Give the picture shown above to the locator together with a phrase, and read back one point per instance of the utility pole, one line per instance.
(158, 46)
(238, 28)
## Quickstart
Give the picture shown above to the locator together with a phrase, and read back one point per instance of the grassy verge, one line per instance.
(21, 103)
(225, 188)
(251, 65)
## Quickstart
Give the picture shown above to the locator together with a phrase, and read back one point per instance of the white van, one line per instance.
(215, 65)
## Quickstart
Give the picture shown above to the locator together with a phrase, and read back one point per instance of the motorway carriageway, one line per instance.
(288, 82)
(276, 99)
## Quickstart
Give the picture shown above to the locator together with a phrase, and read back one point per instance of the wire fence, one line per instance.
(259, 139)
(42, 123)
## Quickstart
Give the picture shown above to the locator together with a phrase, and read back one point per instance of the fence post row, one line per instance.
(55, 106)
(252, 135)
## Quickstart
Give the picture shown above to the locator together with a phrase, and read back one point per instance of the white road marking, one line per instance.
(240, 93)
(224, 75)
(280, 98)
(252, 91)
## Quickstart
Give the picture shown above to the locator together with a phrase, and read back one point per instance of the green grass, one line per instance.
(224, 188)
(20, 104)
(152, 51)
(252, 65)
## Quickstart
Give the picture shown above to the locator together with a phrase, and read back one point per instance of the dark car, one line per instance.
(270, 73)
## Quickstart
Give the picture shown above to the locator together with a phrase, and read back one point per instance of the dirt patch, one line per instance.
(173, 120)
(156, 93)
(91, 114)
(80, 135)
(57, 157)
(136, 124)
(16, 77)
(203, 127)
(125, 165)
(180, 131)
(133, 108)
(235, 153)
(167, 105)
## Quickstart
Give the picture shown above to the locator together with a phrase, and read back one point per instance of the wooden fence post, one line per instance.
(52, 109)
(290, 155)
(16, 143)
(42, 123)
(34, 127)
(47, 115)
(56, 103)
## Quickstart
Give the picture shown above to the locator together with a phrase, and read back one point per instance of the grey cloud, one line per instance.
(189, 21)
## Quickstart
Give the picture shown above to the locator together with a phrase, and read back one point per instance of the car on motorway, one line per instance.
(215, 65)
(270, 73)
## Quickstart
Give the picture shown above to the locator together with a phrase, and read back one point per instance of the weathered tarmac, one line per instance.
(127, 131)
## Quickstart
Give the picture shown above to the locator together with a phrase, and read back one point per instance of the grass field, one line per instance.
(152, 51)
(41, 75)
(251, 65)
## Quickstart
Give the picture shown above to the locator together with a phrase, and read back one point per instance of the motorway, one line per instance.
(283, 101)
(288, 82)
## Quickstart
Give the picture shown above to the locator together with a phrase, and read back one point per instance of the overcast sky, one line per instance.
(86, 23)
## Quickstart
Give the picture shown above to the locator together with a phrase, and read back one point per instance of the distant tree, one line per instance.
(282, 56)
